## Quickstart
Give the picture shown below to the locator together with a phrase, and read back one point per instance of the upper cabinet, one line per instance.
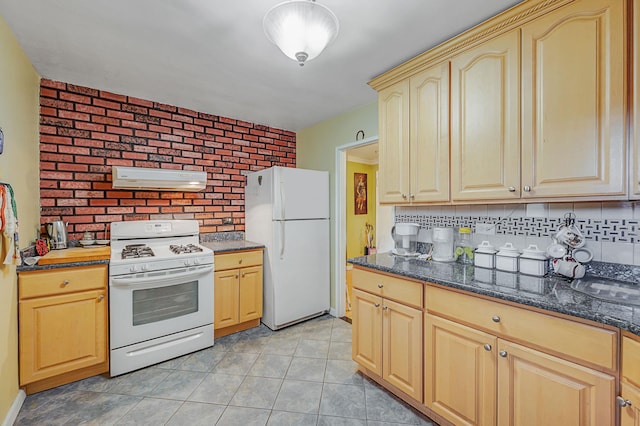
(634, 184)
(573, 89)
(537, 110)
(485, 129)
(414, 138)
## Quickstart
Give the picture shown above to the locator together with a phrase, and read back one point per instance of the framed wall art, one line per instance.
(360, 193)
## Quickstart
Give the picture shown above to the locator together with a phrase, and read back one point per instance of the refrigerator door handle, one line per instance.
(282, 202)
(282, 239)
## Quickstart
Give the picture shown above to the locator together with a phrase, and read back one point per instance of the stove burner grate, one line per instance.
(189, 248)
(134, 251)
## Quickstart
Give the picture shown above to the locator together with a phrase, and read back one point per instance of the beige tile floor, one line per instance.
(302, 375)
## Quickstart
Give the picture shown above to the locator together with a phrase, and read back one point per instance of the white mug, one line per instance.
(568, 268)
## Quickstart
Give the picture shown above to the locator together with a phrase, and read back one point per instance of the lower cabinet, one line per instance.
(237, 291)
(387, 334)
(62, 326)
(476, 377)
(629, 398)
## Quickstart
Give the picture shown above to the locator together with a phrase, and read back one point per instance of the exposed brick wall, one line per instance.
(84, 131)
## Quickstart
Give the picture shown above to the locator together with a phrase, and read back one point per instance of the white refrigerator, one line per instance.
(287, 210)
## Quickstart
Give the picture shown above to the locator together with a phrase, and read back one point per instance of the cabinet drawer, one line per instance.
(407, 292)
(631, 361)
(594, 345)
(238, 259)
(61, 281)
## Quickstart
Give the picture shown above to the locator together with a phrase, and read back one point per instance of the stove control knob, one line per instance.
(196, 261)
(144, 267)
(187, 263)
(133, 268)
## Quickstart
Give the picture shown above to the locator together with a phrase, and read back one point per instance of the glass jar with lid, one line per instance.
(464, 248)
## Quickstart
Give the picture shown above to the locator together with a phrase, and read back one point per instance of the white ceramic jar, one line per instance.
(533, 261)
(507, 258)
(485, 256)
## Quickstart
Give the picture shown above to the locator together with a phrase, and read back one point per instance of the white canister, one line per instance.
(507, 258)
(533, 261)
(485, 256)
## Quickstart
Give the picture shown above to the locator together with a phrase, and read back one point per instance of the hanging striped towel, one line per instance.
(9, 251)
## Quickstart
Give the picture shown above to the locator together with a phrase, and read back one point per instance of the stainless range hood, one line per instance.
(152, 179)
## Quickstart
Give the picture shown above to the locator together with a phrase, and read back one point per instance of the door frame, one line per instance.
(340, 252)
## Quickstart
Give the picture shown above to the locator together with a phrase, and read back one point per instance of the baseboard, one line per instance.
(12, 415)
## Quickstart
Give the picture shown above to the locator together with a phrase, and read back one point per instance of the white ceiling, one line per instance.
(212, 55)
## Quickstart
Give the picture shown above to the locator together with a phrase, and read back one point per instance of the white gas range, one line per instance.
(161, 293)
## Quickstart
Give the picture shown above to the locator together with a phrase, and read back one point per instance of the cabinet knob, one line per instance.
(503, 354)
(65, 283)
(623, 402)
(404, 196)
(412, 196)
(243, 274)
(377, 305)
(495, 318)
(487, 347)
(239, 260)
(236, 275)
(512, 189)
(527, 188)
(384, 308)
(101, 297)
(380, 285)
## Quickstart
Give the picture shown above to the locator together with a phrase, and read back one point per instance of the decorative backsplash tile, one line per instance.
(611, 229)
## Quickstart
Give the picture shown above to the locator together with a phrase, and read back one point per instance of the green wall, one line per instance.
(19, 166)
(356, 235)
(316, 150)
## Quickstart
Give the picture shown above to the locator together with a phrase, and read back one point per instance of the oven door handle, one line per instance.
(167, 279)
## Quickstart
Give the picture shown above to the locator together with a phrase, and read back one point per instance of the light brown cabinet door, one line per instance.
(629, 413)
(460, 372)
(539, 389)
(485, 125)
(635, 152)
(429, 135)
(574, 104)
(402, 347)
(366, 329)
(393, 145)
(62, 333)
(225, 297)
(250, 293)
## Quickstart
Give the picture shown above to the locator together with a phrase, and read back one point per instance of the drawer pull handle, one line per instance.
(240, 261)
(495, 318)
(384, 308)
(623, 402)
(487, 347)
(65, 283)
(101, 297)
(503, 354)
(380, 285)
(377, 305)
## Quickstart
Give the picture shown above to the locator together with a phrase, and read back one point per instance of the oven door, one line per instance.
(148, 305)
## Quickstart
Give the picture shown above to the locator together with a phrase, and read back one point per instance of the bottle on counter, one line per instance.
(464, 248)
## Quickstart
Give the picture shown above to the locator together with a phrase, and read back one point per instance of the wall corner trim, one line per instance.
(12, 415)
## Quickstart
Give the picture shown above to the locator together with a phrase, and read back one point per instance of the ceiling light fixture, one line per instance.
(300, 28)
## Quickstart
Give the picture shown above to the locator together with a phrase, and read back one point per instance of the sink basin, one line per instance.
(609, 290)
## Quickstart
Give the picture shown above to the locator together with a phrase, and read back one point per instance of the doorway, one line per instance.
(358, 229)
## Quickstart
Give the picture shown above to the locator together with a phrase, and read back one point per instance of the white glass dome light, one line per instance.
(300, 28)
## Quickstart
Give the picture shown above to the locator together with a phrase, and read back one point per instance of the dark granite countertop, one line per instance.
(231, 245)
(36, 267)
(552, 293)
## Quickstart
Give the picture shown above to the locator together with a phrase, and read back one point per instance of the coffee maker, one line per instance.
(57, 232)
(405, 237)
(442, 244)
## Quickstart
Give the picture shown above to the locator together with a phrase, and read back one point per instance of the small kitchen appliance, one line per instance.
(405, 237)
(442, 244)
(160, 293)
(57, 232)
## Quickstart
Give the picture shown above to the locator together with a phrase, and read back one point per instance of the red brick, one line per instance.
(75, 185)
(90, 126)
(120, 114)
(56, 140)
(161, 114)
(105, 120)
(119, 130)
(71, 97)
(51, 130)
(53, 84)
(138, 101)
(105, 136)
(106, 104)
(134, 124)
(88, 160)
(113, 96)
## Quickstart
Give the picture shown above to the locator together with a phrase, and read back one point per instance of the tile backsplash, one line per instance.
(611, 229)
